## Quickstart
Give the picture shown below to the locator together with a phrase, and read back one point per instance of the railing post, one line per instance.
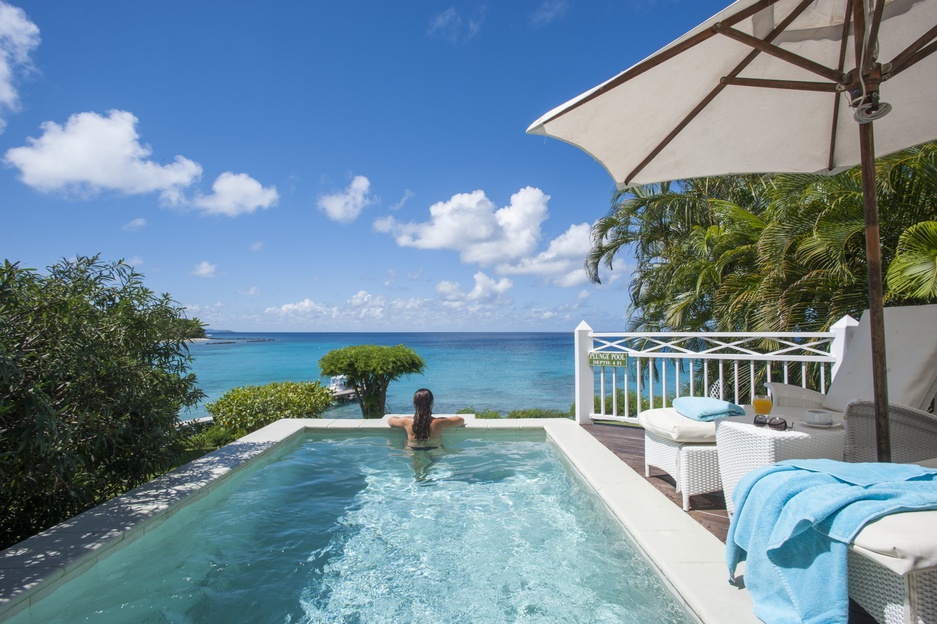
(842, 331)
(585, 376)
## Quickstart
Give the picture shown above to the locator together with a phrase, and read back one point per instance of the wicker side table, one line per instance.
(742, 447)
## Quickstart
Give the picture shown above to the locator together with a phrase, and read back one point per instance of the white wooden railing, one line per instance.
(650, 369)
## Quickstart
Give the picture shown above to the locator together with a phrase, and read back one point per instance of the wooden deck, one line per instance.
(628, 443)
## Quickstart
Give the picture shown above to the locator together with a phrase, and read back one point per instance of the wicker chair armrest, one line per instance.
(913, 432)
(786, 395)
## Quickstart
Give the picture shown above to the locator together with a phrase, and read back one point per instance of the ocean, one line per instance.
(485, 371)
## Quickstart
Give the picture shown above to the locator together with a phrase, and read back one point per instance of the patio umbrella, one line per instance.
(773, 86)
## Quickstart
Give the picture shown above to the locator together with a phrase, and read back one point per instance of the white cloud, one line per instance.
(204, 269)
(135, 225)
(359, 299)
(134, 261)
(450, 291)
(257, 246)
(486, 290)
(250, 292)
(407, 195)
(548, 12)
(92, 153)
(367, 306)
(475, 227)
(562, 263)
(307, 308)
(345, 206)
(451, 26)
(235, 194)
(18, 38)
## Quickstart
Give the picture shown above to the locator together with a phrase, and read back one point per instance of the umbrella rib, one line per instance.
(843, 49)
(664, 56)
(873, 33)
(920, 49)
(795, 85)
(780, 53)
(778, 29)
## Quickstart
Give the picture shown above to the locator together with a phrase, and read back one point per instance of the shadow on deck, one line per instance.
(627, 442)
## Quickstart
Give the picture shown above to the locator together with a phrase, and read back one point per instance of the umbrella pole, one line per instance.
(873, 246)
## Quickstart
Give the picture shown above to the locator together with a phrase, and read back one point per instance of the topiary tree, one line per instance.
(369, 369)
(94, 369)
(248, 408)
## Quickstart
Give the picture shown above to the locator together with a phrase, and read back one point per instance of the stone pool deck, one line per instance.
(689, 557)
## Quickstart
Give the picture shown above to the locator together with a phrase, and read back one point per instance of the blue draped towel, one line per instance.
(794, 521)
(705, 408)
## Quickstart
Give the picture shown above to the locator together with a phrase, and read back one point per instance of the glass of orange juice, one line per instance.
(762, 405)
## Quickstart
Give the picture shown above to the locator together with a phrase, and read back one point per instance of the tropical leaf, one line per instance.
(913, 272)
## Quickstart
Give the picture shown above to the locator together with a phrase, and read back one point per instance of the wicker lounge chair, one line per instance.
(911, 352)
(683, 448)
(893, 561)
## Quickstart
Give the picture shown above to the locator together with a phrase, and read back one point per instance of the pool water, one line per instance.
(357, 529)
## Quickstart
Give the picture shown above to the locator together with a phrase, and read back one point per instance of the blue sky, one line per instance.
(321, 166)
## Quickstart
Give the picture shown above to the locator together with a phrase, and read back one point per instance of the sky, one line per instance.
(321, 166)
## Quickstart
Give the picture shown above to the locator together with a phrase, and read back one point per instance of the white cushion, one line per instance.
(666, 422)
(902, 542)
(910, 353)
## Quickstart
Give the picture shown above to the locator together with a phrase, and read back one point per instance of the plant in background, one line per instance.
(369, 369)
(94, 369)
(489, 413)
(913, 272)
(536, 413)
(248, 408)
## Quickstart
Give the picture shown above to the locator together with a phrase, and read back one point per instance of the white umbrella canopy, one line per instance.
(742, 128)
(772, 86)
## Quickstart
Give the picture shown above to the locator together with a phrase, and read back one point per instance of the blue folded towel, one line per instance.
(794, 521)
(706, 408)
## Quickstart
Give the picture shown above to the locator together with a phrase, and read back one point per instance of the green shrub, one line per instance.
(94, 369)
(207, 439)
(248, 408)
(537, 413)
(480, 414)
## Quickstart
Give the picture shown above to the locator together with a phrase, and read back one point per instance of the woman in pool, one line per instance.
(424, 431)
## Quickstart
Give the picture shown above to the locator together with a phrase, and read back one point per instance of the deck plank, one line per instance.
(627, 442)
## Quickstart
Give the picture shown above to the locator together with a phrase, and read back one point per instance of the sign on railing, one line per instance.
(608, 358)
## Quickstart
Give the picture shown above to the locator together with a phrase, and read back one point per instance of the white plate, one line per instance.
(820, 426)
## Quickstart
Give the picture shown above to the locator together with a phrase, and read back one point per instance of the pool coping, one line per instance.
(689, 558)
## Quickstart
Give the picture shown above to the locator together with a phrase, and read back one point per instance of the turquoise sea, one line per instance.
(497, 371)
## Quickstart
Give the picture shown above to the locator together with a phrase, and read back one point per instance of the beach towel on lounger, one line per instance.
(794, 521)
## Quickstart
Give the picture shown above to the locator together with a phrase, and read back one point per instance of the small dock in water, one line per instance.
(340, 392)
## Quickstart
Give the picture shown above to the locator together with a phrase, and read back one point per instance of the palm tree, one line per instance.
(770, 253)
(683, 244)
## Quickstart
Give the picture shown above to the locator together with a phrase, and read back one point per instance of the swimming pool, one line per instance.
(352, 528)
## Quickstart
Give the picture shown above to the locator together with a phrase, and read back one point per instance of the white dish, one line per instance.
(821, 425)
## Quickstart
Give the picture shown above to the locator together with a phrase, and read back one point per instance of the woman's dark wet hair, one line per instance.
(423, 402)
